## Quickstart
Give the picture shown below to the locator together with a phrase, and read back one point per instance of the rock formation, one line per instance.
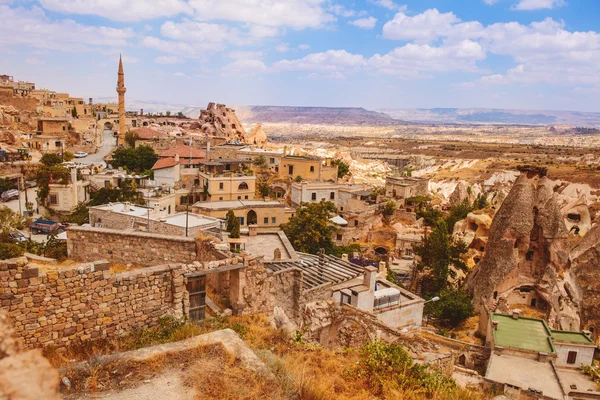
(221, 121)
(526, 260)
(257, 136)
(460, 194)
(585, 262)
(24, 375)
(577, 216)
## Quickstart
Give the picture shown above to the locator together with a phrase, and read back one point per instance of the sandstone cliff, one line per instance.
(526, 260)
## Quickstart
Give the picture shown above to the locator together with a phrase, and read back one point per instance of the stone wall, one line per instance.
(137, 248)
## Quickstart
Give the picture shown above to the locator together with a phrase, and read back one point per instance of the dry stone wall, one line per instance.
(138, 248)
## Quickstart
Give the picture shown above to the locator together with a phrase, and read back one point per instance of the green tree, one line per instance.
(457, 212)
(9, 220)
(168, 113)
(131, 138)
(264, 189)
(454, 307)
(480, 202)
(180, 114)
(80, 215)
(68, 156)
(310, 230)
(232, 224)
(74, 112)
(389, 208)
(7, 184)
(438, 252)
(140, 159)
(50, 159)
(343, 167)
(430, 215)
(260, 162)
(50, 174)
(10, 250)
(298, 179)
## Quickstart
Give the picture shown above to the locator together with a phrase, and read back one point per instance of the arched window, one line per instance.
(243, 186)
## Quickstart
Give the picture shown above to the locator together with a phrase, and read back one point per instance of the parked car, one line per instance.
(45, 226)
(17, 236)
(80, 154)
(30, 184)
(10, 195)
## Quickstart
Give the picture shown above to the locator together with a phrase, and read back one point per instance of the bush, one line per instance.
(454, 307)
(389, 208)
(343, 167)
(68, 156)
(10, 250)
(50, 160)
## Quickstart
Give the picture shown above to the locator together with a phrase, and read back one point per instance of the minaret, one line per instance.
(121, 91)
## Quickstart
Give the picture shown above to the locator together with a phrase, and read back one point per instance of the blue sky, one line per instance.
(530, 54)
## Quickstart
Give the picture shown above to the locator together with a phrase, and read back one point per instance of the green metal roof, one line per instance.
(523, 333)
(572, 337)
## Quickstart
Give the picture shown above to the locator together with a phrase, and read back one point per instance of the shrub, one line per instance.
(10, 250)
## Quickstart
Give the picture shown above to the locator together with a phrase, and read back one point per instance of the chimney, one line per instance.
(73, 175)
(252, 230)
(370, 277)
(495, 325)
(141, 112)
(91, 101)
(284, 151)
(267, 198)
(382, 266)
(156, 208)
(277, 254)
(345, 257)
(516, 313)
(176, 158)
(126, 206)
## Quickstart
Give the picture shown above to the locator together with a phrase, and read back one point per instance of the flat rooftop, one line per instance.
(572, 337)
(522, 333)
(194, 220)
(236, 204)
(264, 244)
(524, 373)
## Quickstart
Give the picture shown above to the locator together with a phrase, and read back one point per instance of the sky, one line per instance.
(512, 54)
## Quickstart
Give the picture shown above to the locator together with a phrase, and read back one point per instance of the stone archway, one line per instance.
(251, 217)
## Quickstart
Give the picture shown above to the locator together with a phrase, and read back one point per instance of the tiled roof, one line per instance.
(184, 152)
(168, 162)
(148, 133)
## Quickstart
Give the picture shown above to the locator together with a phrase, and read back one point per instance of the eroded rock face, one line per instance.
(577, 216)
(221, 121)
(585, 266)
(24, 375)
(526, 260)
(460, 194)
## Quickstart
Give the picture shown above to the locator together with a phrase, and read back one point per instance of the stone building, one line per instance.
(308, 168)
(154, 219)
(178, 166)
(226, 180)
(53, 126)
(346, 197)
(403, 187)
(263, 213)
(65, 197)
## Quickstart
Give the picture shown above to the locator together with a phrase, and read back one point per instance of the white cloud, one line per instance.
(331, 60)
(180, 74)
(412, 59)
(245, 68)
(490, 2)
(168, 60)
(245, 55)
(529, 5)
(338, 76)
(303, 46)
(282, 48)
(296, 14)
(364, 23)
(120, 10)
(390, 5)
(428, 26)
(33, 27)
(34, 61)
(341, 11)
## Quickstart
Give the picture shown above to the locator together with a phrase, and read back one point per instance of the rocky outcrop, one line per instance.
(24, 375)
(585, 266)
(257, 137)
(577, 216)
(526, 260)
(219, 120)
(461, 193)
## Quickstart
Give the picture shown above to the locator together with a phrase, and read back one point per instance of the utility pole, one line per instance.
(148, 206)
(19, 190)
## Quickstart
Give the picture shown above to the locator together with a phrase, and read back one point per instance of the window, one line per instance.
(332, 196)
(220, 198)
(312, 169)
(408, 252)
(53, 199)
(271, 161)
(245, 197)
(273, 220)
(346, 299)
(338, 237)
(243, 186)
(314, 197)
(572, 357)
(239, 197)
(355, 222)
(266, 220)
(529, 256)
(220, 185)
(107, 184)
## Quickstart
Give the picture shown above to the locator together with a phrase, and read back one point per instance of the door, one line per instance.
(196, 288)
(291, 170)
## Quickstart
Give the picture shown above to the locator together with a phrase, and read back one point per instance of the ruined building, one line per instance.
(527, 257)
(121, 91)
(221, 121)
